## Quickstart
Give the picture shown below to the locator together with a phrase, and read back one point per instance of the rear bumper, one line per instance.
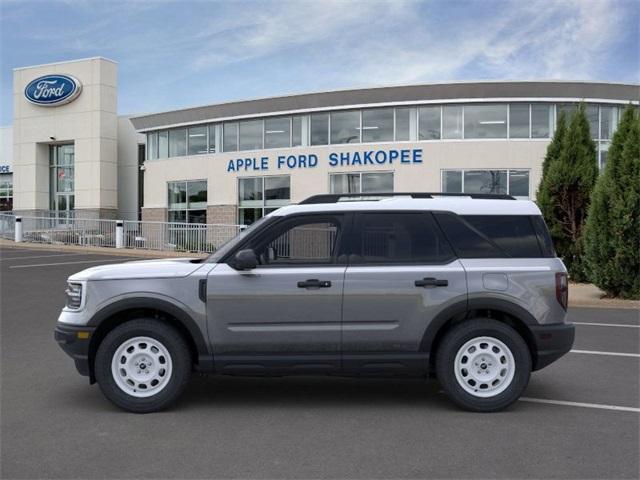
(75, 343)
(552, 342)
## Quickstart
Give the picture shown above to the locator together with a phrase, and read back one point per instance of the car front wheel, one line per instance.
(484, 365)
(143, 365)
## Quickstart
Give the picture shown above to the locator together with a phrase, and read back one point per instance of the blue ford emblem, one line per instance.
(52, 90)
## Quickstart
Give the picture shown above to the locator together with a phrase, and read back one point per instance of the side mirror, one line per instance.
(245, 260)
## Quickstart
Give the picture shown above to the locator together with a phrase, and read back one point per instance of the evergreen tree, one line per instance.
(543, 198)
(612, 233)
(566, 189)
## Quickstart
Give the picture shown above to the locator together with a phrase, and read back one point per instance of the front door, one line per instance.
(401, 275)
(284, 315)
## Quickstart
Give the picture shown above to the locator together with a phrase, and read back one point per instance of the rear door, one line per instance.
(401, 274)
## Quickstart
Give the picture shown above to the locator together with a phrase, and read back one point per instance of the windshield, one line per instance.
(231, 244)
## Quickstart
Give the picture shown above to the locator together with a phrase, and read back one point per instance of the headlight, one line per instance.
(74, 295)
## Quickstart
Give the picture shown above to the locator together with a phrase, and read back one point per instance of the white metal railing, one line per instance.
(69, 231)
(7, 226)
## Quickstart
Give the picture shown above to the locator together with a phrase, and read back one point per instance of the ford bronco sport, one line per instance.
(464, 287)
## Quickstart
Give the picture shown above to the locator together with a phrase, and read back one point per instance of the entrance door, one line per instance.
(62, 180)
(402, 274)
(286, 313)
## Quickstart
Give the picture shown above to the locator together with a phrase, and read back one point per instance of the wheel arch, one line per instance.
(124, 310)
(502, 310)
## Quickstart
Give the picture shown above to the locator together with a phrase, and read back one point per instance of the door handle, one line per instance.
(431, 282)
(314, 283)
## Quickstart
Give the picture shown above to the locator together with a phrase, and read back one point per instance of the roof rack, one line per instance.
(337, 197)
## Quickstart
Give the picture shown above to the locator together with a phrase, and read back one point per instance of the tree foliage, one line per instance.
(612, 234)
(565, 189)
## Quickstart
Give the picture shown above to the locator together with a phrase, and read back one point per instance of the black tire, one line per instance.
(173, 342)
(456, 338)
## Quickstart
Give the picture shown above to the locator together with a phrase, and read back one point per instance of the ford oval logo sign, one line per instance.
(53, 90)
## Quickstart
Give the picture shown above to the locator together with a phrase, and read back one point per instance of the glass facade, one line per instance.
(6, 192)
(258, 196)
(384, 124)
(361, 182)
(509, 182)
(187, 201)
(62, 179)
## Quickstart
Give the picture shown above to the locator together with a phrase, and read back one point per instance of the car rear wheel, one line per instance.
(143, 365)
(483, 365)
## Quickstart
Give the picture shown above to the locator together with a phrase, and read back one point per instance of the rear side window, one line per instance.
(400, 238)
(514, 234)
(467, 241)
(544, 239)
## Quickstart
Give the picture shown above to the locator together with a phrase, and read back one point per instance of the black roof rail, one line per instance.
(336, 197)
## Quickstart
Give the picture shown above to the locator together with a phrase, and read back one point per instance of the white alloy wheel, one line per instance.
(484, 367)
(141, 367)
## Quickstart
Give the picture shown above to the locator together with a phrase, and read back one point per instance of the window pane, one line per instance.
(514, 234)
(296, 131)
(452, 121)
(403, 124)
(485, 181)
(377, 125)
(429, 123)
(246, 216)
(178, 216)
(197, 140)
(345, 183)
(345, 127)
(163, 144)
(608, 122)
(592, 117)
(519, 183)
(177, 195)
(519, 120)
(251, 135)
(277, 191)
(320, 129)
(212, 138)
(152, 146)
(485, 121)
(308, 241)
(466, 242)
(197, 216)
(64, 179)
(277, 132)
(541, 120)
(377, 182)
(197, 193)
(250, 191)
(568, 109)
(178, 142)
(230, 137)
(401, 238)
(452, 181)
(604, 152)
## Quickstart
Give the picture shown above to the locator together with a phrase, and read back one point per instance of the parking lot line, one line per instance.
(41, 256)
(606, 324)
(615, 354)
(69, 263)
(580, 404)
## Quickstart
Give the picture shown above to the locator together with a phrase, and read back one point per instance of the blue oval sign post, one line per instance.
(53, 90)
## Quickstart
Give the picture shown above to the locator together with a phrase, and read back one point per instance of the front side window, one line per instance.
(429, 123)
(377, 125)
(359, 182)
(277, 132)
(306, 240)
(187, 201)
(178, 142)
(485, 121)
(400, 238)
(259, 196)
(345, 127)
(197, 140)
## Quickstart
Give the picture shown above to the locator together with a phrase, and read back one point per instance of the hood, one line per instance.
(162, 268)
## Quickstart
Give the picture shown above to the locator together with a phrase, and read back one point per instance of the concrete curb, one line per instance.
(124, 252)
(588, 295)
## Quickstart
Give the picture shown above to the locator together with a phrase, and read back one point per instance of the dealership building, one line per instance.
(70, 152)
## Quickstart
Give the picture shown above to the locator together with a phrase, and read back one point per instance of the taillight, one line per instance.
(562, 289)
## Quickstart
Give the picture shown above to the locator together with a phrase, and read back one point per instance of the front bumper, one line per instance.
(75, 340)
(552, 342)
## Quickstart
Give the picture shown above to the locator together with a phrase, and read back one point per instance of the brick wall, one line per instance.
(154, 214)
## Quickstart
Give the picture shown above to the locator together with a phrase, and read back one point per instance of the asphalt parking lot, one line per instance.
(54, 425)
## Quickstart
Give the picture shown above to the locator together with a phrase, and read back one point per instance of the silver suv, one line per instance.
(466, 288)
